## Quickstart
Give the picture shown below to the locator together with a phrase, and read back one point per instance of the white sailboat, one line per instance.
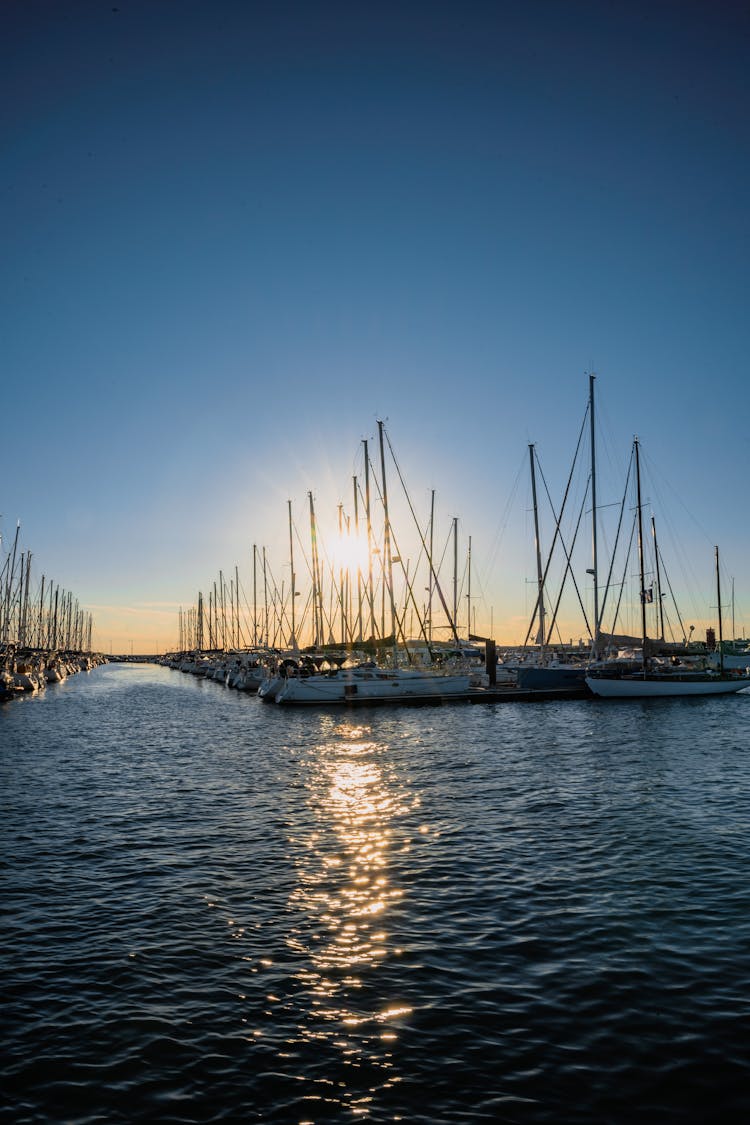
(371, 683)
(664, 678)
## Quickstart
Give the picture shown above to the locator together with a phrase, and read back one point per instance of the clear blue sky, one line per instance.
(234, 235)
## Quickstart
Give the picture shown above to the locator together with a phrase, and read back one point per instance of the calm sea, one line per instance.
(218, 910)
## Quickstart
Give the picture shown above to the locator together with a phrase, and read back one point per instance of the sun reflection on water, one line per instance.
(343, 897)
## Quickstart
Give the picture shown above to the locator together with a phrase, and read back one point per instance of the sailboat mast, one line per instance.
(293, 638)
(455, 573)
(41, 639)
(387, 534)
(359, 563)
(342, 594)
(25, 601)
(370, 592)
(718, 597)
(658, 580)
(199, 624)
(255, 595)
(223, 597)
(594, 551)
(266, 622)
(640, 549)
(468, 595)
(432, 556)
(237, 603)
(538, 546)
(317, 609)
(9, 584)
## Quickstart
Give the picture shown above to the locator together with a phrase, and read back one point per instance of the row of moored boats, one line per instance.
(24, 671)
(345, 677)
(327, 678)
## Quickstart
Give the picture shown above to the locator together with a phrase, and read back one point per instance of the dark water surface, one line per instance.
(219, 910)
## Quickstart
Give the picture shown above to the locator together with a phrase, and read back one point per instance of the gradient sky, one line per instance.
(234, 235)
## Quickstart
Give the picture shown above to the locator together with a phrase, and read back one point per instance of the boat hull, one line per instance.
(658, 686)
(545, 677)
(352, 689)
(270, 688)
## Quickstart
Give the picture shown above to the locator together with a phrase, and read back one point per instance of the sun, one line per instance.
(350, 552)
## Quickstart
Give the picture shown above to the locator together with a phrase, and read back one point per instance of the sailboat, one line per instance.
(369, 683)
(665, 678)
(546, 670)
(327, 677)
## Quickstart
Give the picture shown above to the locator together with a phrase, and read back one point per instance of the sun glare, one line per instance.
(350, 552)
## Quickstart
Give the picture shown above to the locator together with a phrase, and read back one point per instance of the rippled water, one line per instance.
(220, 910)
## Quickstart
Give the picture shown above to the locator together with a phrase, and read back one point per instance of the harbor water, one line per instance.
(219, 910)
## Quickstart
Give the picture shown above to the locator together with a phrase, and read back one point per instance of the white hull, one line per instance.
(270, 688)
(376, 686)
(639, 688)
